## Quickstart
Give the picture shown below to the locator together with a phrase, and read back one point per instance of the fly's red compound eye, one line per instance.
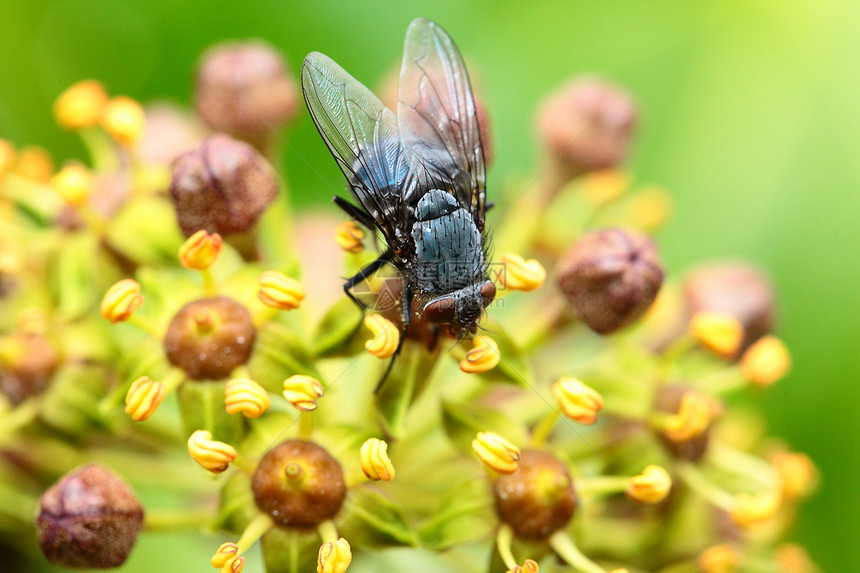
(440, 310)
(488, 293)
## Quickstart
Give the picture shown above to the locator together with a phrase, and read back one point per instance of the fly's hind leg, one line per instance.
(406, 316)
(363, 274)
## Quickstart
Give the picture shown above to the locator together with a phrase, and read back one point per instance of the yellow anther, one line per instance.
(234, 565)
(719, 332)
(81, 105)
(246, 396)
(766, 361)
(214, 456)
(792, 558)
(349, 237)
(121, 300)
(578, 402)
(753, 509)
(528, 566)
(225, 553)
(280, 291)
(35, 163)
(302, 392)
(123, 119)
(722, 558)
(143, 398)
(386, 336)
(651, 486)
(74, 183)
(200, 250)
(797, 474)
(375, 462)
(483, 356)
(519, 274)
(650, 208)
(334, 557)
(496, 452)
(692, 419)
(7, 157)
(606, 185)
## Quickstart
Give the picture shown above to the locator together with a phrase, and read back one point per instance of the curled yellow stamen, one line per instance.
(496, 452)
(81, 105)
(200, 250)
(214, 456)
(651, 486)
(246, 396)
(74, 183)
(483, 356)
(225, 553)
(334, 557)
(766, 361)
(375, 462)
(719, 332)
(349, 237)
(302, 392)
(753, 509)
(519, 274)
(121, 300)
(280, 291)
(579, 402)
(692, 419)
(386, 336)
(143, 398)
(123, 119)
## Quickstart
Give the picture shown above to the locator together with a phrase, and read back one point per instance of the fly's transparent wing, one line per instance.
(437, 118)
(362, 135)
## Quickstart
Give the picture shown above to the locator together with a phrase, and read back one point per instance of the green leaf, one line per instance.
(278, 354)
(370, 519)
(465, 516)
(202, 407)
(404, 384)
(462, 422)
(290, 550)
(338, 332)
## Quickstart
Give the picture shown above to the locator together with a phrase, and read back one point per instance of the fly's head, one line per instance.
(460, 311)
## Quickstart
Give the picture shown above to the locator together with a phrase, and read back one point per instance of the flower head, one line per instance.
(483, 356)
(302, 392)
(375, 462)
(578, 402)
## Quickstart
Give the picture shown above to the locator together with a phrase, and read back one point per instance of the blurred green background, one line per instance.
(749, 118)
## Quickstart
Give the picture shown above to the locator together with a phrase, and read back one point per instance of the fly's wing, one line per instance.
(362, 135)
(437, 118)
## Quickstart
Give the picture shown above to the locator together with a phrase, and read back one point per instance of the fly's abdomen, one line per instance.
(448, 252)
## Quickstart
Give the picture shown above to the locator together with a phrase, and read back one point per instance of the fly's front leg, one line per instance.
(363, 274)
(406, 316)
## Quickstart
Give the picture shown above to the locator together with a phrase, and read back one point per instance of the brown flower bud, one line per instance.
(539, 498)
(222, 186)
(738, 289)
(610, 277)
(669, 400)
(210, 337)
(244, 89)
(27, 364)
(587, 124)
(90, 518)
(299, 484)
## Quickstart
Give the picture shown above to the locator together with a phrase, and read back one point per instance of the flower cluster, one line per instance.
(156, 302)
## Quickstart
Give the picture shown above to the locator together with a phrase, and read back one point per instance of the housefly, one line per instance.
(418, 176)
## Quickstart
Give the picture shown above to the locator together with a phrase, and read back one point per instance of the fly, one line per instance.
(418, 176)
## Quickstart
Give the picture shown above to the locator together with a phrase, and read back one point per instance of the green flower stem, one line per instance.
(624, 409)
(681, 346)
(263, 314)
(18, 417)
(306, 425)
(541, 325)
(601, 485)
(504, 538)
(699, 482)
(563, 545)
(210, 287)
(173, 379)
(742, 463)
(245, 464)
(544, 428)
(724, 381)
(146, 325)
(17, 504)
(100, 149)
(258, 527)
(177, 519)
(328, 531)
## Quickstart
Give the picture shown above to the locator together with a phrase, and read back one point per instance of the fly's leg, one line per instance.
(363, 274)
(361, 216)
(406, 315)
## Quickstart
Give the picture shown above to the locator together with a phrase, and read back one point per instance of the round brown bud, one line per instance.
(90, 518)
(587, 124)
(610, 277)
(538, 499)
(299, 484)
(210, 337)
(738, 289)
(27, 364)
(669, 401)
(222, 186)
(244, 89)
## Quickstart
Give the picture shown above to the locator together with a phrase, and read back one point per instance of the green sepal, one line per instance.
(463, 421)
(465, 515)
(338, 333)
(370, 519)
(408, 378)
(287, 550)
(201, 404)
(278, 354)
